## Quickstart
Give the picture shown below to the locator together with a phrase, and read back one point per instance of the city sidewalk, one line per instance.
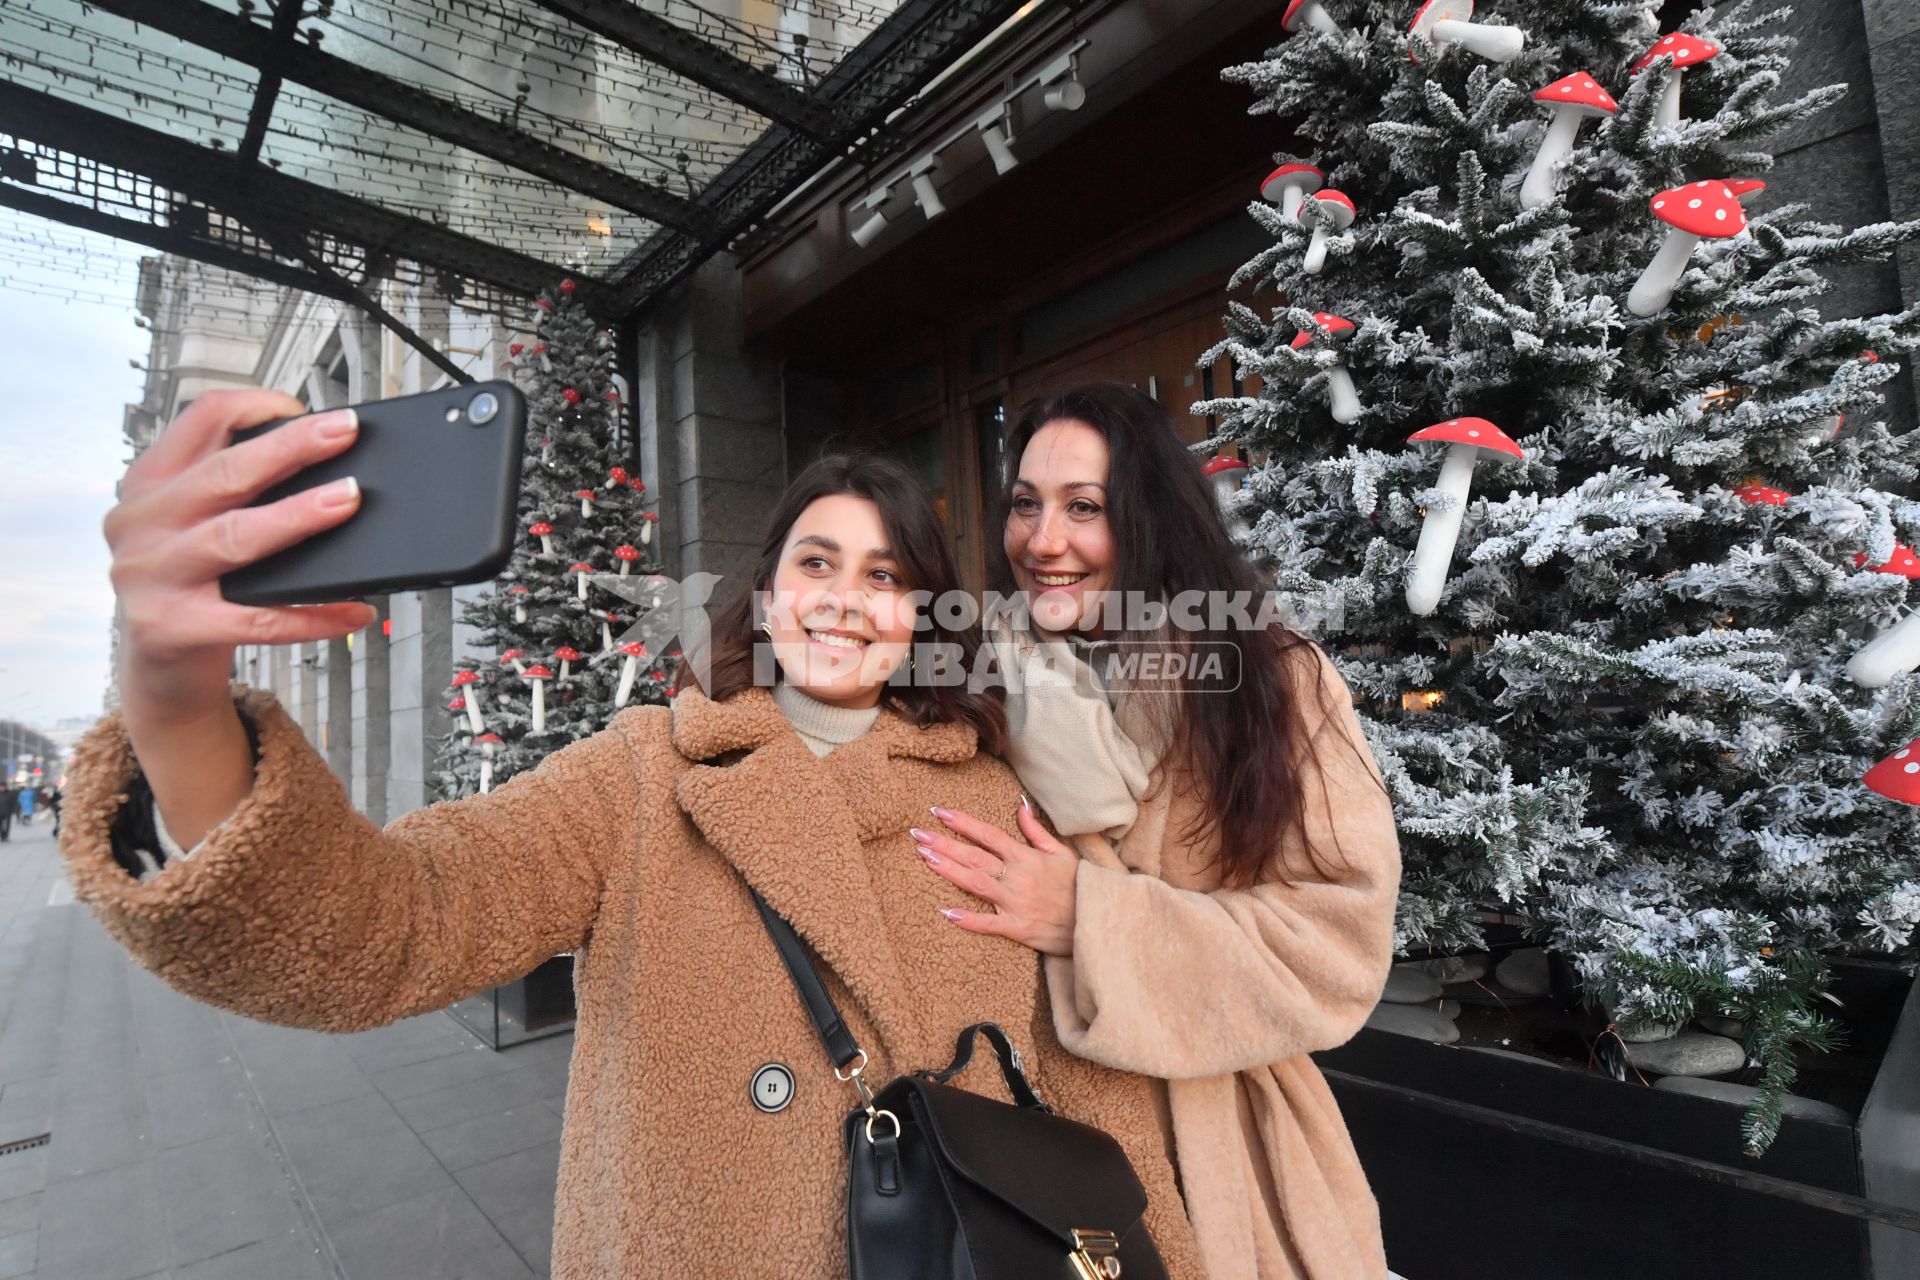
(190, 1144)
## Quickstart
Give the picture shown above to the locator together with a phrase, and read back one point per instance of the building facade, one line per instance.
(912, 302)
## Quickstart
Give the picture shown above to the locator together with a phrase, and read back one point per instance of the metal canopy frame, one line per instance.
(103, 173)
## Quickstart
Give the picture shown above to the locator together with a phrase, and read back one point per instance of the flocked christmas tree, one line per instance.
(559, 670)
(1601, 615)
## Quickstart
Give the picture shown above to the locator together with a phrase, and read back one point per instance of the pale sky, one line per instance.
(64, 382)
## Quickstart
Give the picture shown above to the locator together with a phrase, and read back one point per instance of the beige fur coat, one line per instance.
(633, 849)
(1222, 993)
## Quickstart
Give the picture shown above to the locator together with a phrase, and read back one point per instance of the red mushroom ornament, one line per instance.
(585, 570)
(629, 670)
(1744, 188)
(512, 658)
(1704, 210)
(1341, 397)
(542, 530)
(1445, 22)
(469, 681)
(1571, 101)
(539, 675)
(586, 502)
(1898, 776)
(1225, 474)
(1326, 211)
(626, 555)
(1288, 185)
(1686, 51)
(648, 520)
(1895, 651)
(1308, 13)
(1756, 494)
(519, 595)
(568, 655)
(488, 742)
(1469, 438)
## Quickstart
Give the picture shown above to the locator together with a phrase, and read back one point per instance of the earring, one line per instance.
(767, 628)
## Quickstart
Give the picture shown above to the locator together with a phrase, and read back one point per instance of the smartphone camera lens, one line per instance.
(483, 408)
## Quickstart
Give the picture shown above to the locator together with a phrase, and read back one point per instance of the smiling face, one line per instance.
(1058, 540)
(839, 607)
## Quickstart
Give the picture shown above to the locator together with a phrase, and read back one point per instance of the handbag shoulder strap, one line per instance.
(840, 1045)
(843, 1049)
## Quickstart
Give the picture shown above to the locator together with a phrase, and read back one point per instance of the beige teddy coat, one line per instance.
(1222, 994)
(633, 850)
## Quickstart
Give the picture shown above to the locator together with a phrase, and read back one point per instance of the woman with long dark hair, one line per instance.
(704, 1125)
(1226, 907)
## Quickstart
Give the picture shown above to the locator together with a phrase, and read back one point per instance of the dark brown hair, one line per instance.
(1248, 748)
(920, 546)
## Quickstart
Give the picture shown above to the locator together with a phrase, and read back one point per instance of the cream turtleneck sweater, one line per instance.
(822, 726)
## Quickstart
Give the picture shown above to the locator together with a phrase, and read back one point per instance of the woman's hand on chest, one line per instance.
(1030, 882)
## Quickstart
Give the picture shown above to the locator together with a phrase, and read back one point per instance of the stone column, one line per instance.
(372, 719)
(711, 445)
(421, 659)
(337, 695)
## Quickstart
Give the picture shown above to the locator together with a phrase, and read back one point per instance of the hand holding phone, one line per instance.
(439, 475)
(184, 519)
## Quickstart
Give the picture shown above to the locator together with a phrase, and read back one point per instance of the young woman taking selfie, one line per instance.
(637, 849)
(1231, 906)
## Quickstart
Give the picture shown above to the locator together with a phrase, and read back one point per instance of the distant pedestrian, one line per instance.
(53, 803)
(7, 806)
(24, 798)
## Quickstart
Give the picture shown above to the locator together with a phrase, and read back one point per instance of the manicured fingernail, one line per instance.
(340, 424)
(938, 812)
(1025, 803)
(928, 854)
(342, 493)
(951, 914)
(917, 834)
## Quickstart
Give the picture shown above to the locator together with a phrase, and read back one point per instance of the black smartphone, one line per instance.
(439, 486)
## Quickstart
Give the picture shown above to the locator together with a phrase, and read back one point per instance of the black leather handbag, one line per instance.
(943, 1184)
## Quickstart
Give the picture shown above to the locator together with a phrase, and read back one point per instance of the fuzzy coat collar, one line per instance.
(803, 840)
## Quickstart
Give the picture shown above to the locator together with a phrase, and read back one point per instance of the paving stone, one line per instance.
(105, 1226)
(22, 1213)
(199, 1103)
(441, 1072)
(357, 1155)
(292, 1257)
(489, 1095)
(19, 1254)
(491, 1136)
(222, 1194)
(438, 1236)
(512, 1182)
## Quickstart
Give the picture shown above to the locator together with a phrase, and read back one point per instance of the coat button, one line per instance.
(772, 1088)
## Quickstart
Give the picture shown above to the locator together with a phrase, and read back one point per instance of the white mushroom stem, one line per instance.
(539, 706)
(1668, 111)
(606, 637)
(1501, 44)
(586, 508)
(546, 543)
(1434, 553)
(519, 613)
(629, 672)
(1316, 252)
(486, 768)
(1291, 196)
(1893, 652)
(1539, 187)
(1341, 396)
(1654, 290)
(1316, 17)
(646, 532)
(566, 667)
(624, 566)
(583, 584)
(473, 709)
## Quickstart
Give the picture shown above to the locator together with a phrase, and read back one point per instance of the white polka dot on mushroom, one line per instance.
(1910, 768)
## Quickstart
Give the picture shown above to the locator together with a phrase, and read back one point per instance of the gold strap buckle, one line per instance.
(1095, 1256)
